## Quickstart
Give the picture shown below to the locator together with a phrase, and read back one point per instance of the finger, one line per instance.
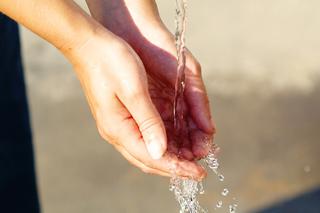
(186, 146)
(202, 143)
(127, 133)
(144, 168)
(197, 97)
(186, 153)
(138, 102)
(139, 164)
(172, 144)
(180, 145)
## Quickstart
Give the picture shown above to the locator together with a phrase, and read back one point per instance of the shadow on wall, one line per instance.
(304, 203)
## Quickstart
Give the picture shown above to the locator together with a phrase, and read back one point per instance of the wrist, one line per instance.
(77, 36)
(95, 48)
(132, 20)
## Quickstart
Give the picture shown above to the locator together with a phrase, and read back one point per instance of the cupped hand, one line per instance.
(139, 23)
(197, 127)
(115, 83)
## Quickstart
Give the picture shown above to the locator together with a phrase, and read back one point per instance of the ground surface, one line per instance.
(262, 69)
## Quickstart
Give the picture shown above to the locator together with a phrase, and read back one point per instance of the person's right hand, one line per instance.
(116, 86)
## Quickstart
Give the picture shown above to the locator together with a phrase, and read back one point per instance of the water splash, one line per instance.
(219, 204)
(225, 192)
(233, 208)
(221, 177)
(201, 188)
(187, 190)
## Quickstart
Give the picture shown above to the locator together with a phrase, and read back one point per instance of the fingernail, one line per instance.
(155, 149)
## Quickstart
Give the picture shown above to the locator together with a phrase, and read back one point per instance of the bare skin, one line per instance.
(155, 45)
(131, 112)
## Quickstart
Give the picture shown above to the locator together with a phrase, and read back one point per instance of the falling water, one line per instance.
(186, 191)
(180, 20)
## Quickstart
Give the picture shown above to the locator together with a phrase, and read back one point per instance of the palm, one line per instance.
(162, 96)
(191, 142)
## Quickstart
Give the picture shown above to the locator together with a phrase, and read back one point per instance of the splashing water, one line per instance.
(187, 190)
(219, 204)
(225, 192)
(221, 177)
(232, 208)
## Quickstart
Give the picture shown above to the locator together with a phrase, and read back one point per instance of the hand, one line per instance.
(138, 22)
(113, 79)
(115, 84)
(194, 141)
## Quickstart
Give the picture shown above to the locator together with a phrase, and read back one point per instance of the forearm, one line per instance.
(63, 23)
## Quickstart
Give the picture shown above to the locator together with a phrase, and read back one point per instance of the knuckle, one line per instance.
(134, 91)
(105, 134)
(148, 123)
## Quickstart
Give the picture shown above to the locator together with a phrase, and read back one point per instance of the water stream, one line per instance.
(186, 191)
(180, 20)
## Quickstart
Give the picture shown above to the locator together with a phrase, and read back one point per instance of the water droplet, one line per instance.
(232, 208)
(225, 192)
(221, 177)
(201, 188)
(186, 192)
(219, 204)
(213, 164)
(171, 187)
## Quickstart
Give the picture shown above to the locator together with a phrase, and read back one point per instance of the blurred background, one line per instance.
(261, 65)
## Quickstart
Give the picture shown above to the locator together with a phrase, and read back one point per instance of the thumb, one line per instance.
(143, 111)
